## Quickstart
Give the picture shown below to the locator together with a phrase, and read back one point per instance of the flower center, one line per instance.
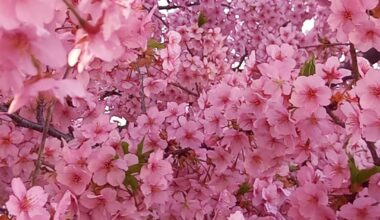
(375, 91)
(347, 15)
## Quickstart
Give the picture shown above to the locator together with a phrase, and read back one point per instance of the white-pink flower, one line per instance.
(310, 93)
(27, 204)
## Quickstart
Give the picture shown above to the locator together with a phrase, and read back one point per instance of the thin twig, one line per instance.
(157, 16)
(184, 89)
(242, 58)
(169, 7)
(109, 93)
(335, 118)
(42, 145)
(40, 111)
(354, 64)
(372, 149)
(142, 95)
(324, 45)
(26, 123)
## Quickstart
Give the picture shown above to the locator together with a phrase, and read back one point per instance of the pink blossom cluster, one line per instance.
(230, 110)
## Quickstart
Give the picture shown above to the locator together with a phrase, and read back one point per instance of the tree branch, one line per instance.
(142, 94)
(169, 7)
(242, 58)
(26, 123)
(372, 55)
(323, 45)
(354, 64)
(184, 89)
(40, 111)
(109, 93)
(42, 144)
(372, 149)
(334, 118)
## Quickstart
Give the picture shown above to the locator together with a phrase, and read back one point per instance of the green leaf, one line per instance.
(353, 169)
(361, 176)
(125, 147)
(243, 189)
(308, 67)
(202, 19)
(154, 44)
(139, 152)
(145, 156)
(135, 168)
(131, 181)
(364, 175)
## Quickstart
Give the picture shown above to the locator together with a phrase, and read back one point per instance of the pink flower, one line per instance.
(337, 169)
(173, 111)
(310, 93)
(189, 135)
(67, 207)
(221, 158)
(25, 163)
(366, 36)
(36, 13)
(99, 129)
(103, 205)
(329, 71)
(59, 89)
(346, 14)
(9, 140)
(254, 101)
(153, 86)
(368, 90)
(308, 200)
(236, 216)
(371, 125)
(171, 54)
(155, 193)
(257, 162)
(78, 156)
(27, 204)
(278, 117)
(362, 208)
(152, 121)
(235, 140)
(223, 95)
(313, 124)
(280, 53)
(106, 168)
(353, 124)
(279, 75)
(75, 178)
(156, 169)
(369, 4)
(374, 187)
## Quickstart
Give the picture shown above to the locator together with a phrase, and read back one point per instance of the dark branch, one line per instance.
(323, 46)
(40, 111)
(109, 93)
(354, 64)
(372, 149)
(334, 118)
(169, 7)
(372, 55)
(241, 61)
(26, 123)
(178, 153)
(157, 16)
(184, 89)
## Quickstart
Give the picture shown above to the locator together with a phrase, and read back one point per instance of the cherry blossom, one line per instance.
(310, 92)
(178, 109)
(27, 204)
(362, 208)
